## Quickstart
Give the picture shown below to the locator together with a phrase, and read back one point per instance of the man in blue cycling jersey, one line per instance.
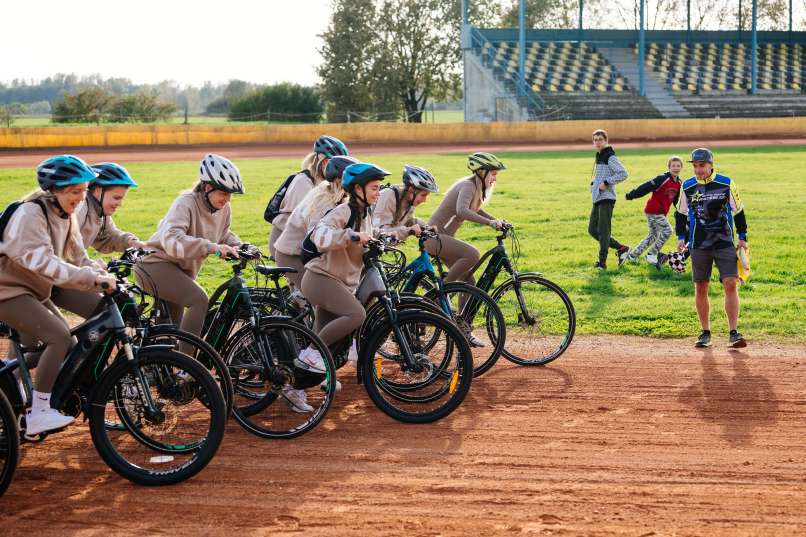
(708, 211)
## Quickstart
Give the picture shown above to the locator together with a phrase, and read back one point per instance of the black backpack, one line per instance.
(9, 211)
(309, 250)
(273, 208)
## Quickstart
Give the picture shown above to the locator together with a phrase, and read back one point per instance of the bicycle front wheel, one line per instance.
(9, 443)
(540, 319)
(172, 401)
(418, 369)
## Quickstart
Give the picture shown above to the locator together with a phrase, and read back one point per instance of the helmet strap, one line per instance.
(207, 200)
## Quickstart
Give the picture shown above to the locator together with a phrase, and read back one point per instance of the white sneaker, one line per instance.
(474, 341)
(310, 360)
(352, 356)
(323, 385)
(652, 259)
(47, 419)
(296, 399)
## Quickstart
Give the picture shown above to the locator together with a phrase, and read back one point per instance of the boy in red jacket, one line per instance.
(665, 190)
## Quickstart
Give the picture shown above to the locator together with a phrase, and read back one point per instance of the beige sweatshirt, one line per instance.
(341, 257)
(189, 233)
(385, 218)
(297, 227)
(461, 202)
(100, 231)
(33, 257)
(297, 190)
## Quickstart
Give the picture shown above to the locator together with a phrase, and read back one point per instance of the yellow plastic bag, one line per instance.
(743, 264)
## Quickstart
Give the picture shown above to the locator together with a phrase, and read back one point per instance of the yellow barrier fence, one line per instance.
(404, 133)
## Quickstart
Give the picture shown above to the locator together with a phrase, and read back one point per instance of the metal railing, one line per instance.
(520, 90)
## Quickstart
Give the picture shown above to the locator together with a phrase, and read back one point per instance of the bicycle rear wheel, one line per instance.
(186, 427)
(270, 388)
(431, 387)
(540, 319)
(9, 443)
(199, 350)
(479, 318)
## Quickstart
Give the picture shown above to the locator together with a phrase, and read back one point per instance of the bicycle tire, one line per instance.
(137, 472)
(9, 443)
(286, 337)
(459, 380)
(562, 329)
(205, 355)
(493, 319)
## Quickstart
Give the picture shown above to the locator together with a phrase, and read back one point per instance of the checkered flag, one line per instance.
(677, 260)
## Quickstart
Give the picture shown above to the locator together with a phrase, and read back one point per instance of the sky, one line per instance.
(189, 42)
(147, 41)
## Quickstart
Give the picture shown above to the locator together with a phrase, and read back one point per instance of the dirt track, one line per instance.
(23, 158)
(622, 436)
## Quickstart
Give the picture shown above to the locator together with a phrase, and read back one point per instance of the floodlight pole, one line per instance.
(688, 19)
(579, 28)
(754, 45)
(641, 45)
(465, 42)
(521, 47)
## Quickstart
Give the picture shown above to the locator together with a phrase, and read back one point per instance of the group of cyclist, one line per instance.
(328, 214)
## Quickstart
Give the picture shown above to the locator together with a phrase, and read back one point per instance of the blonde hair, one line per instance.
(322, 197)
(313, 163)
(73, 251)
(673, 158)
(600, 132)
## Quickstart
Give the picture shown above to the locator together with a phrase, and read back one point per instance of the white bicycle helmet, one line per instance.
(221, 173)
(419, 178)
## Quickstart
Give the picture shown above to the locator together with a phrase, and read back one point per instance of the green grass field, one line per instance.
(439, 116)
(546, 196)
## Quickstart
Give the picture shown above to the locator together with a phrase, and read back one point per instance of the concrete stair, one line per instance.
(624, 59)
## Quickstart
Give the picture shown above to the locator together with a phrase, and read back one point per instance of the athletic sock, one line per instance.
(41, 401)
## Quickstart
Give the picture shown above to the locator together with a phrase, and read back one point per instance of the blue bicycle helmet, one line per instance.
(111, 174)
(336, 166)
(330, 147)
(361, 174)
(63, 170)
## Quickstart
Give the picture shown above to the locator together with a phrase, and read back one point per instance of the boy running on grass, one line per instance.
(607, 171)
(665, 190)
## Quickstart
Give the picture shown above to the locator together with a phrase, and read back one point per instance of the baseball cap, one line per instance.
(702, 154)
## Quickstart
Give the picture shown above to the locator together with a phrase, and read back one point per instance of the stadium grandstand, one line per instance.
(618, 74)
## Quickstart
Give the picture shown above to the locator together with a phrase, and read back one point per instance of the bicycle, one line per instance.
(539, 316)
(473, 310)
(9, 443)
(173, 412)
(151, 328)
(259, 348)
(414, 363)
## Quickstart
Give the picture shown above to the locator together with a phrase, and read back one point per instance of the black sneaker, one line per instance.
(736, 340)
(704, 340)
(623, 254)
(600, 265)
(662, 259)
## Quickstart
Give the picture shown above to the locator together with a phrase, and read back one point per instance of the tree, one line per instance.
(286, 102)
(543, 14)
(88, 105)
(392, 56)
(348, 54)
(143, 106)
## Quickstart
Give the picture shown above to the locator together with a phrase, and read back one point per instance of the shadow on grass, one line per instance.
(601, 291)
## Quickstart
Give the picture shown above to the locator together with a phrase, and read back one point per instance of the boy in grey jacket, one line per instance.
(606, 173)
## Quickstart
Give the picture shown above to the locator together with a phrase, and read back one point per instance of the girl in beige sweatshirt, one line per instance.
(196, 226)
(40, 248)
(394, 212)
(312, 174)
(464, 201)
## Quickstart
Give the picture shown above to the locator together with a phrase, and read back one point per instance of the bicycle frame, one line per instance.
(84, 364)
